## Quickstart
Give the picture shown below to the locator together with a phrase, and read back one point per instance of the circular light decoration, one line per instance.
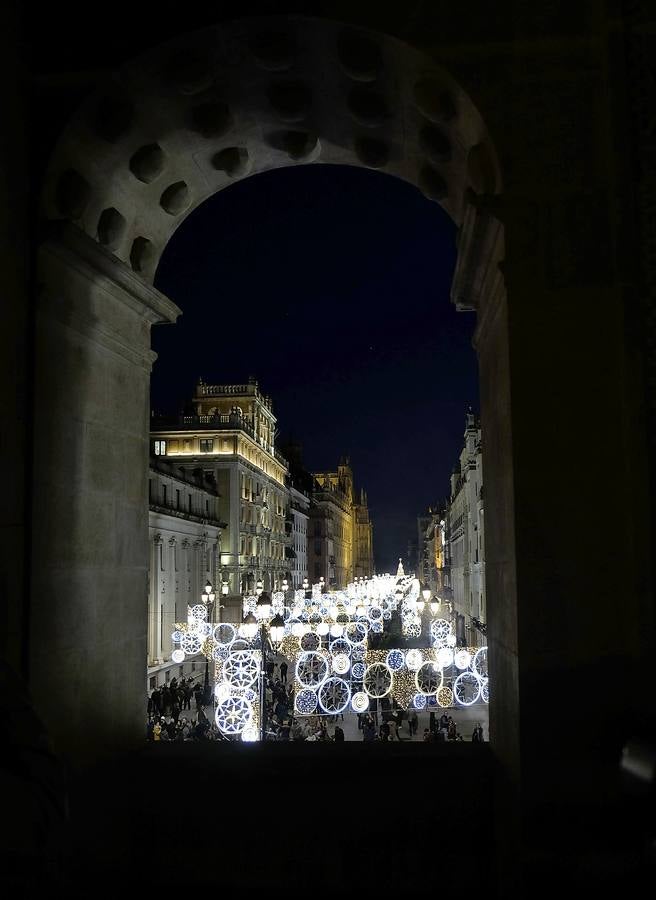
(396, 660)
(479, 662)
(224, 633)
(298, 628)
(310, 641)
(247, 693)
(467, 688)
(333, 612)
(375, 613)
(360, 702)
(440, 630)
(278, 597)
(444, 657)
(336, 630)
(462, 658)
(250, 734)
(356, 632)
(451, 640)
(221, 652)
(323, 629)
(191, 644)
(178, 656)
(485, 689)
(204, 629)
(412, 630)
(357, 671)
(413, 659)
(341, 645)
(315, 618)
(176, 637)
(241, 669)
(428, 678)
(378, 680)
(305, 702)
(311, 669)
(387, 615)
(377, 627)
(250, 604)
(222, 691)
(341, 663)
(334, 696)
(199, 612)
(358, 653)
(445, 697)
(233, 715)
(419, 701)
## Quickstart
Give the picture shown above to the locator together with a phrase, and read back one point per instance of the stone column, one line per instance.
(90, 539)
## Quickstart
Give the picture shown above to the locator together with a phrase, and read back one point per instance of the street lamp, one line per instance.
(259, 588)
(435, 605)
(225, 589)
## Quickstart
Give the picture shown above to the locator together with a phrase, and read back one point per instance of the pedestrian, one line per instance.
(283, 671)
(156, 697)
(339, 733)
(186, 693)
(150, 727)
(452, 733)
(384, 731)
(369, 733)
(149, 704)
(157, 731)
(413, 723)
(477, 734)
(444, 722)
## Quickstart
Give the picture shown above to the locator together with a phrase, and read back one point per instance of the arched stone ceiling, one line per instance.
(195, 115)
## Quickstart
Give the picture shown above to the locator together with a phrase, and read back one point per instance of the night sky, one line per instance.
(330, 285)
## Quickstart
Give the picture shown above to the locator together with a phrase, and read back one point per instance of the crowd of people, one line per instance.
(167, 704)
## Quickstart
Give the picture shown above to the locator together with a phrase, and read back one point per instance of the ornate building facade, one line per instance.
(299, 509)
(431, 556)
(466, 539)
(230, 434)
(341, 538)
(184, 534)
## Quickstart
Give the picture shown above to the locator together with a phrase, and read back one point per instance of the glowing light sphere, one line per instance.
(178, 656)
(250, 603)
(233, 715)
(357, 671)
(350, 609)
(334, 696)
(250, 734)
(341, 663)
(199, 612)
(278, 597)
(451, 640)
(222, 691)
(467, 688)
(413, 659)
(176, 637)
(479, 662)
(305, 702)
(310, 641)
(378, 680)
(204, 629)
(298, 629)
(334, 612)
(241, 668)
(396, 660)
(444, 657)
(440, 629)
(323, 628)
(336, 630)
(358, 653)
(428, 678)
(360, 702)
(462, 658)
(419, 701)
(191, 644)
(311, 669)
(387, 615)
(375, 613)
(412, 630)
(485, 689)
(221, 652)
(377, 627)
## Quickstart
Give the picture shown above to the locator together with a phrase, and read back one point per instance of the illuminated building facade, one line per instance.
(431, 527)
(184, 534)
(466, 538)
(299, 509)
(363, 535)
(341, 533)
(230, 434)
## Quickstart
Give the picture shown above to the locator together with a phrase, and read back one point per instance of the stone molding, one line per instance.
(480, 250)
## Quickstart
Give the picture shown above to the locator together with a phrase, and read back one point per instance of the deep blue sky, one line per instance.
(331, 285)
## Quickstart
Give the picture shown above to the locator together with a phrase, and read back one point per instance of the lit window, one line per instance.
(206, 445)
(160, 448)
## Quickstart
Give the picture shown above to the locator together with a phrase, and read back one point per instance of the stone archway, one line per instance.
(169, 130)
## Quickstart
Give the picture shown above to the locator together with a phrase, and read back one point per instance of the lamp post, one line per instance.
(208, 597)
(274, 636)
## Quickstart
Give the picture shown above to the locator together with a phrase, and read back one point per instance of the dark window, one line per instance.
(164, 494)
(206, 445)
(177, 499)
(189, 502)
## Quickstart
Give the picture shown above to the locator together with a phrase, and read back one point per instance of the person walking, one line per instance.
(283, 671)
(339, 733)
(156, 697)
(452, 732)
(157, 731)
